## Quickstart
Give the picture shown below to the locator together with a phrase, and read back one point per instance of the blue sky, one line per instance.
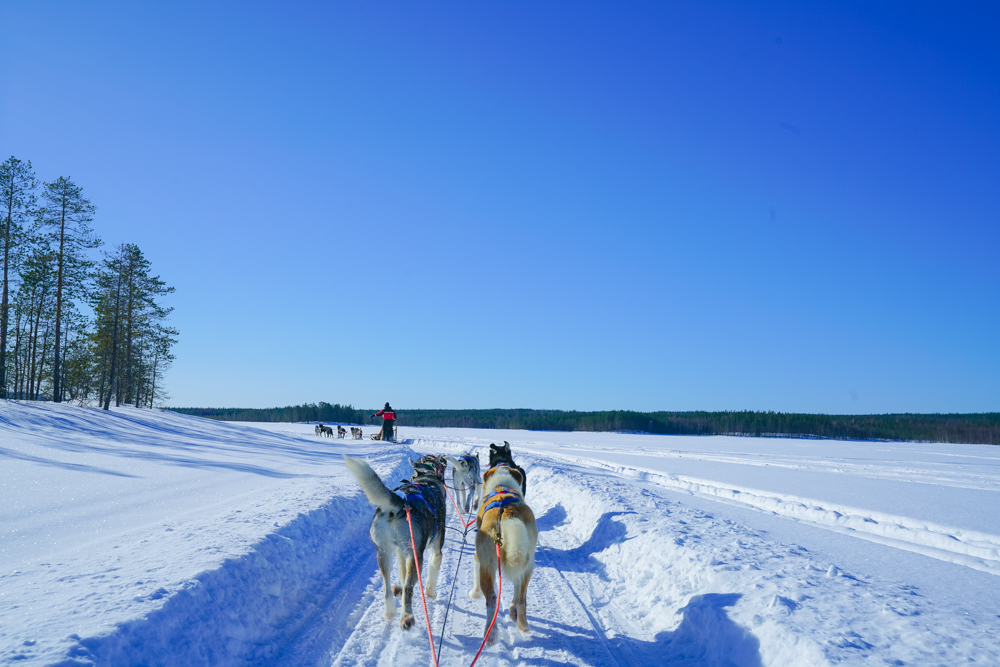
(654, 206)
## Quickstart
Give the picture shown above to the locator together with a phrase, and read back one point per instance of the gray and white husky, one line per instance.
(466, 480)
(424, 495)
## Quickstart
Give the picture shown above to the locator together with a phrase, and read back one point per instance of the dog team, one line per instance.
(341, 431)
(419, 505)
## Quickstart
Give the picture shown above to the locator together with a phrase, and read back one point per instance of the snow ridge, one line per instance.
(977, 550)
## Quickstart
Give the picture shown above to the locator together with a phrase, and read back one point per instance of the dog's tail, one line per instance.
(378, 494)
(518, 549)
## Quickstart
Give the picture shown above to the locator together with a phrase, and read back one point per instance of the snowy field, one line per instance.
(152, 538)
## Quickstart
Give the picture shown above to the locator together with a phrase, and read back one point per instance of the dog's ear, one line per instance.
(506, 445)
(413, 464)
(495, 448)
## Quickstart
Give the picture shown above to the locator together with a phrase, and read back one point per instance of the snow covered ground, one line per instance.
(152, 538)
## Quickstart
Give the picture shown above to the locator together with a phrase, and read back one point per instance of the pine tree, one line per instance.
(17, 188)
(67, 215)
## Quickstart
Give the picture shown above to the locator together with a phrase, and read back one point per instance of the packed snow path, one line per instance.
(138, 537)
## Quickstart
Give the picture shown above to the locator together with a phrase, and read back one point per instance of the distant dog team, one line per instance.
(503, 519)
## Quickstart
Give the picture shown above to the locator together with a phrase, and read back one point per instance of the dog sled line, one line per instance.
(323, 430)
(356, 433)
(505, 541)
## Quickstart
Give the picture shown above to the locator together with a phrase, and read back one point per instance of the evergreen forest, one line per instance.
(78, 321)
(956, 428)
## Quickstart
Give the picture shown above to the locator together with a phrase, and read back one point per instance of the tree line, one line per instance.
(307, 412)
(75, 324)
(955, 428)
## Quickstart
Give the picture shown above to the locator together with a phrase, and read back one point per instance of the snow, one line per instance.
(152, 538)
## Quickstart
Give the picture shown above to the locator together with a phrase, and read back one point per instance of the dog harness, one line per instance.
(438, 466)
(470, 460)
(415, 492)
(500, 497)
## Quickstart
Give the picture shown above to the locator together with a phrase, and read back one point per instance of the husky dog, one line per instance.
(390, 531)
(324, 430)
(341, 431)
(504, 518)
(356, 433)
(503, 455)
(466, 480)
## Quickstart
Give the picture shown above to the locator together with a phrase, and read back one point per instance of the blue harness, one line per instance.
(415, 492)
(500, 497)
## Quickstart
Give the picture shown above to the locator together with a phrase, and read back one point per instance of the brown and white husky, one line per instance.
(504, 517)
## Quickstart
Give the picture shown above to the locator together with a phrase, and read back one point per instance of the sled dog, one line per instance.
(466, 480)
(341, 431)
(356, 433)
(324, 430)
(424, 495)
(506, 519)
(503, 455)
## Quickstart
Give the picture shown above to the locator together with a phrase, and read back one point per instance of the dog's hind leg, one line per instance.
(401, 562)
(384, 566)
(435, 564)
(519, 608)
(410, 581)
(487, 566)
(486, 580)
(463, 500)
(477, 591)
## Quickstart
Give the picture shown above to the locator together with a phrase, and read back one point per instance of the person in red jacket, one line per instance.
(388, 416)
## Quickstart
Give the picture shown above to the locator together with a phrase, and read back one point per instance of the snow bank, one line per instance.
(147, 537)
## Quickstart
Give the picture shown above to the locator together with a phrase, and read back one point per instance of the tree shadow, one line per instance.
(552, 518)
(606, 533)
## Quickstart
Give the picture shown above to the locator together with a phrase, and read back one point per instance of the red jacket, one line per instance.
(386, 414)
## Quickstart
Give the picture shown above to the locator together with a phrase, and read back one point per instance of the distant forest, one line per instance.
(956, 428)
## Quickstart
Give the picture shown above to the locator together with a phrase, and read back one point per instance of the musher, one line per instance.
(388, 416)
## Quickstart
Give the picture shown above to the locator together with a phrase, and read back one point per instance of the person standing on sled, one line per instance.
(388, 416)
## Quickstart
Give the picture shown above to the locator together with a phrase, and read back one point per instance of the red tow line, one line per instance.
(458, 512)
(416, 562)
(495, 610)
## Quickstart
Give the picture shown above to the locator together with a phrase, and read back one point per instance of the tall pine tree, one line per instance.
(66, 217)
(17, 188)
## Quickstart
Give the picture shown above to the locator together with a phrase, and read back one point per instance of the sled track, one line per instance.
(563, 629)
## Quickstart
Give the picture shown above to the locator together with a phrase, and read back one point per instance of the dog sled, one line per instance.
(377, 435)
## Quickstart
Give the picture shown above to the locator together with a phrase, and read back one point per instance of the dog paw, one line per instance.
(523, 626)
(407, 622)
(397, 591)
(431, 593)
(492, 639)
(390, 613)
(475, 595)
(513, 613)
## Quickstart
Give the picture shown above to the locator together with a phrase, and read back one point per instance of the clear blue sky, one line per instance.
(787, 206)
